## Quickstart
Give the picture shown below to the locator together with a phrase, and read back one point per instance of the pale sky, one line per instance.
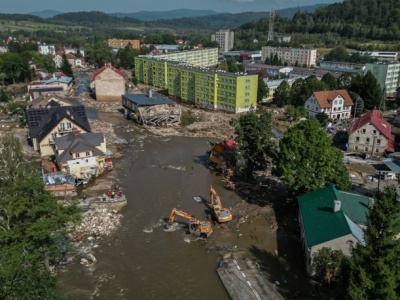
(127, 6)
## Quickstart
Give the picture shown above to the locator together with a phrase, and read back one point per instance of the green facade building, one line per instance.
(208, 88)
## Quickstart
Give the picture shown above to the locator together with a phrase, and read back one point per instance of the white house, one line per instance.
(336, 104)
(47, 49)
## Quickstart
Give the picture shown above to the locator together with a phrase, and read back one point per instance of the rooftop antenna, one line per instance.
(271, 25)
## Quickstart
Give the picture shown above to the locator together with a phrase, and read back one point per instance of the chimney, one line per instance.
(150, 93)
(337, 205)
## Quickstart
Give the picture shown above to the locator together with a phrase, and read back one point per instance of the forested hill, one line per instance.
(370, 19)
(92, 17)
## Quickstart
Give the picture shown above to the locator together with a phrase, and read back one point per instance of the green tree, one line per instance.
(232, 65)
(322, 118)
(66, 67)
(254, 140)
(330, 81)
(295, 113)
(262, 89)
(344, 80)
(307, 160)
(126, 57)
(32, 223)
(282, 94)
(375, 266)
(327, 264)
(338, 54)
(370, 91)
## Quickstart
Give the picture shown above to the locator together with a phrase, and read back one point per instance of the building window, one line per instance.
(367, 140)
(355, 147)
(363, 131)
(77, 155)
(87, 153)
(376, 150)
(378, 141)
(374, 131)
(357, 139)
(366, 149)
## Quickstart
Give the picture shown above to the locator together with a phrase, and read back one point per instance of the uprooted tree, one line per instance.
(32, 228)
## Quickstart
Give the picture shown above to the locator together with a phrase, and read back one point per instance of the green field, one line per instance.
(34, 26)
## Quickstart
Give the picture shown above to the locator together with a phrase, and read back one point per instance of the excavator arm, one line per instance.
(214, 197)
(175, 212)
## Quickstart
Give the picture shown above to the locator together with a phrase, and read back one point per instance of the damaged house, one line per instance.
(82, 154)
(46, 124)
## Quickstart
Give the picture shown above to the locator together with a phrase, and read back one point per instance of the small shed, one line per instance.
(151, 109)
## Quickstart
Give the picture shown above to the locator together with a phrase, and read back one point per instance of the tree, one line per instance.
(254, 134)
(295, 113)
(282, 95)
(358, 104)
(370, 91)
(327, 264)
(32, 228)
(330, 81)
(66, 67)
(307, 160)
(375, 266)
(262, 89)
(322, 118)
(338, 54)
(344, 80)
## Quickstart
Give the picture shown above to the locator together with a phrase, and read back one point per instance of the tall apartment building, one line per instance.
(201, 58)
(47, 49)
(291, 56)
(224, 38)
(212, 89)
(387, 74)
(120, 44)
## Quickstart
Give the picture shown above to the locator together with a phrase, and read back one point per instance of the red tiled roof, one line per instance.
(375, 118)
(325, 98)
(108, 66)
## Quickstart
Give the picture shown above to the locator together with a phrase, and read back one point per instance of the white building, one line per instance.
(47, 49)
(387, 74)
(291, 56)
(225, 39)
(336, 104)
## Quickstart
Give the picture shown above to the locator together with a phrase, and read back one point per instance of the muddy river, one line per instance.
(143, 261)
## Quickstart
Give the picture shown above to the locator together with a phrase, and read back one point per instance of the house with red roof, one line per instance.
(109, 83)
(336, 104)
(371, 134)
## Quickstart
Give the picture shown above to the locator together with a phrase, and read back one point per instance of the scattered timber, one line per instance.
(160, 115)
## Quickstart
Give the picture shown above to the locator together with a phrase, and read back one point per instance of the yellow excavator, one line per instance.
(221, 214)
(197, 228)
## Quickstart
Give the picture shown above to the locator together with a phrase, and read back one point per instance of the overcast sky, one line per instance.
(127, 6)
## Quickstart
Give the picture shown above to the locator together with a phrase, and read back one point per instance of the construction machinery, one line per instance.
(220, 213)
(358, 173)
(222, 154)
(196, 227)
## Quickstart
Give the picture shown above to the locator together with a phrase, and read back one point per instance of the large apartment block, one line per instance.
(291, 56)
(387, 74)
(120, 44)
(225, 39)
(212, 89)
(200, 58)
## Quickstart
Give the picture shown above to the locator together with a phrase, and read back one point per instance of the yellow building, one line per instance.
(120, 44)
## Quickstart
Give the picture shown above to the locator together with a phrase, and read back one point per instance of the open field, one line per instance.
(34, 26)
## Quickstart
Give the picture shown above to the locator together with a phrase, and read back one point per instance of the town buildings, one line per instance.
(291, 56)
(109, 83)
(387, 74)
(213, 89)
(371, 134)
(201, 58)
(336, 104)
(224, 38)
(46, 49)
(333, 219)
(120, 43)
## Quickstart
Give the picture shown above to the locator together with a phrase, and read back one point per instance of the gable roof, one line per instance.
(322, 224)
(108, 66)
(42, 120)
(75, 143)
(376, 118)
(46, 101)
(325, 98)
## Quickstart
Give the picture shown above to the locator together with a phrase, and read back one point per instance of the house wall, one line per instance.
(368, 139)
(46, 144)
(336, 111)
(109, 86)
(306, 57)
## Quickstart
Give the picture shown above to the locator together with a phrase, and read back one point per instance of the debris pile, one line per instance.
(96, 223)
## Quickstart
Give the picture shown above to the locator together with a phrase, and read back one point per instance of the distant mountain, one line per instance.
(290, 12)
(45, 14)
(165, 15)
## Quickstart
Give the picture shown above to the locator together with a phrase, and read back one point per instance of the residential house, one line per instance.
(46, 124)
(47, 101)
(333, 219)
(82, 154)
(371, 134)
(37, 90)
(109, 83)
(336, 104)
(64, 81)
(291, 56)
(46, 49)
(58, 59)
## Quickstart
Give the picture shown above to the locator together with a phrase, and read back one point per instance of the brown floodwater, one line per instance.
(143, 261)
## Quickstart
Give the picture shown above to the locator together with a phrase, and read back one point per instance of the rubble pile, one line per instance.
(101, 106)
(96, 223)
(107, 129)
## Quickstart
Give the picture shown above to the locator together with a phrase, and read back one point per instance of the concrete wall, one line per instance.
(109, 86)
(368, 140)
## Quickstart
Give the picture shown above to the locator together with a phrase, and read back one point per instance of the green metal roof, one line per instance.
(321, 223)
